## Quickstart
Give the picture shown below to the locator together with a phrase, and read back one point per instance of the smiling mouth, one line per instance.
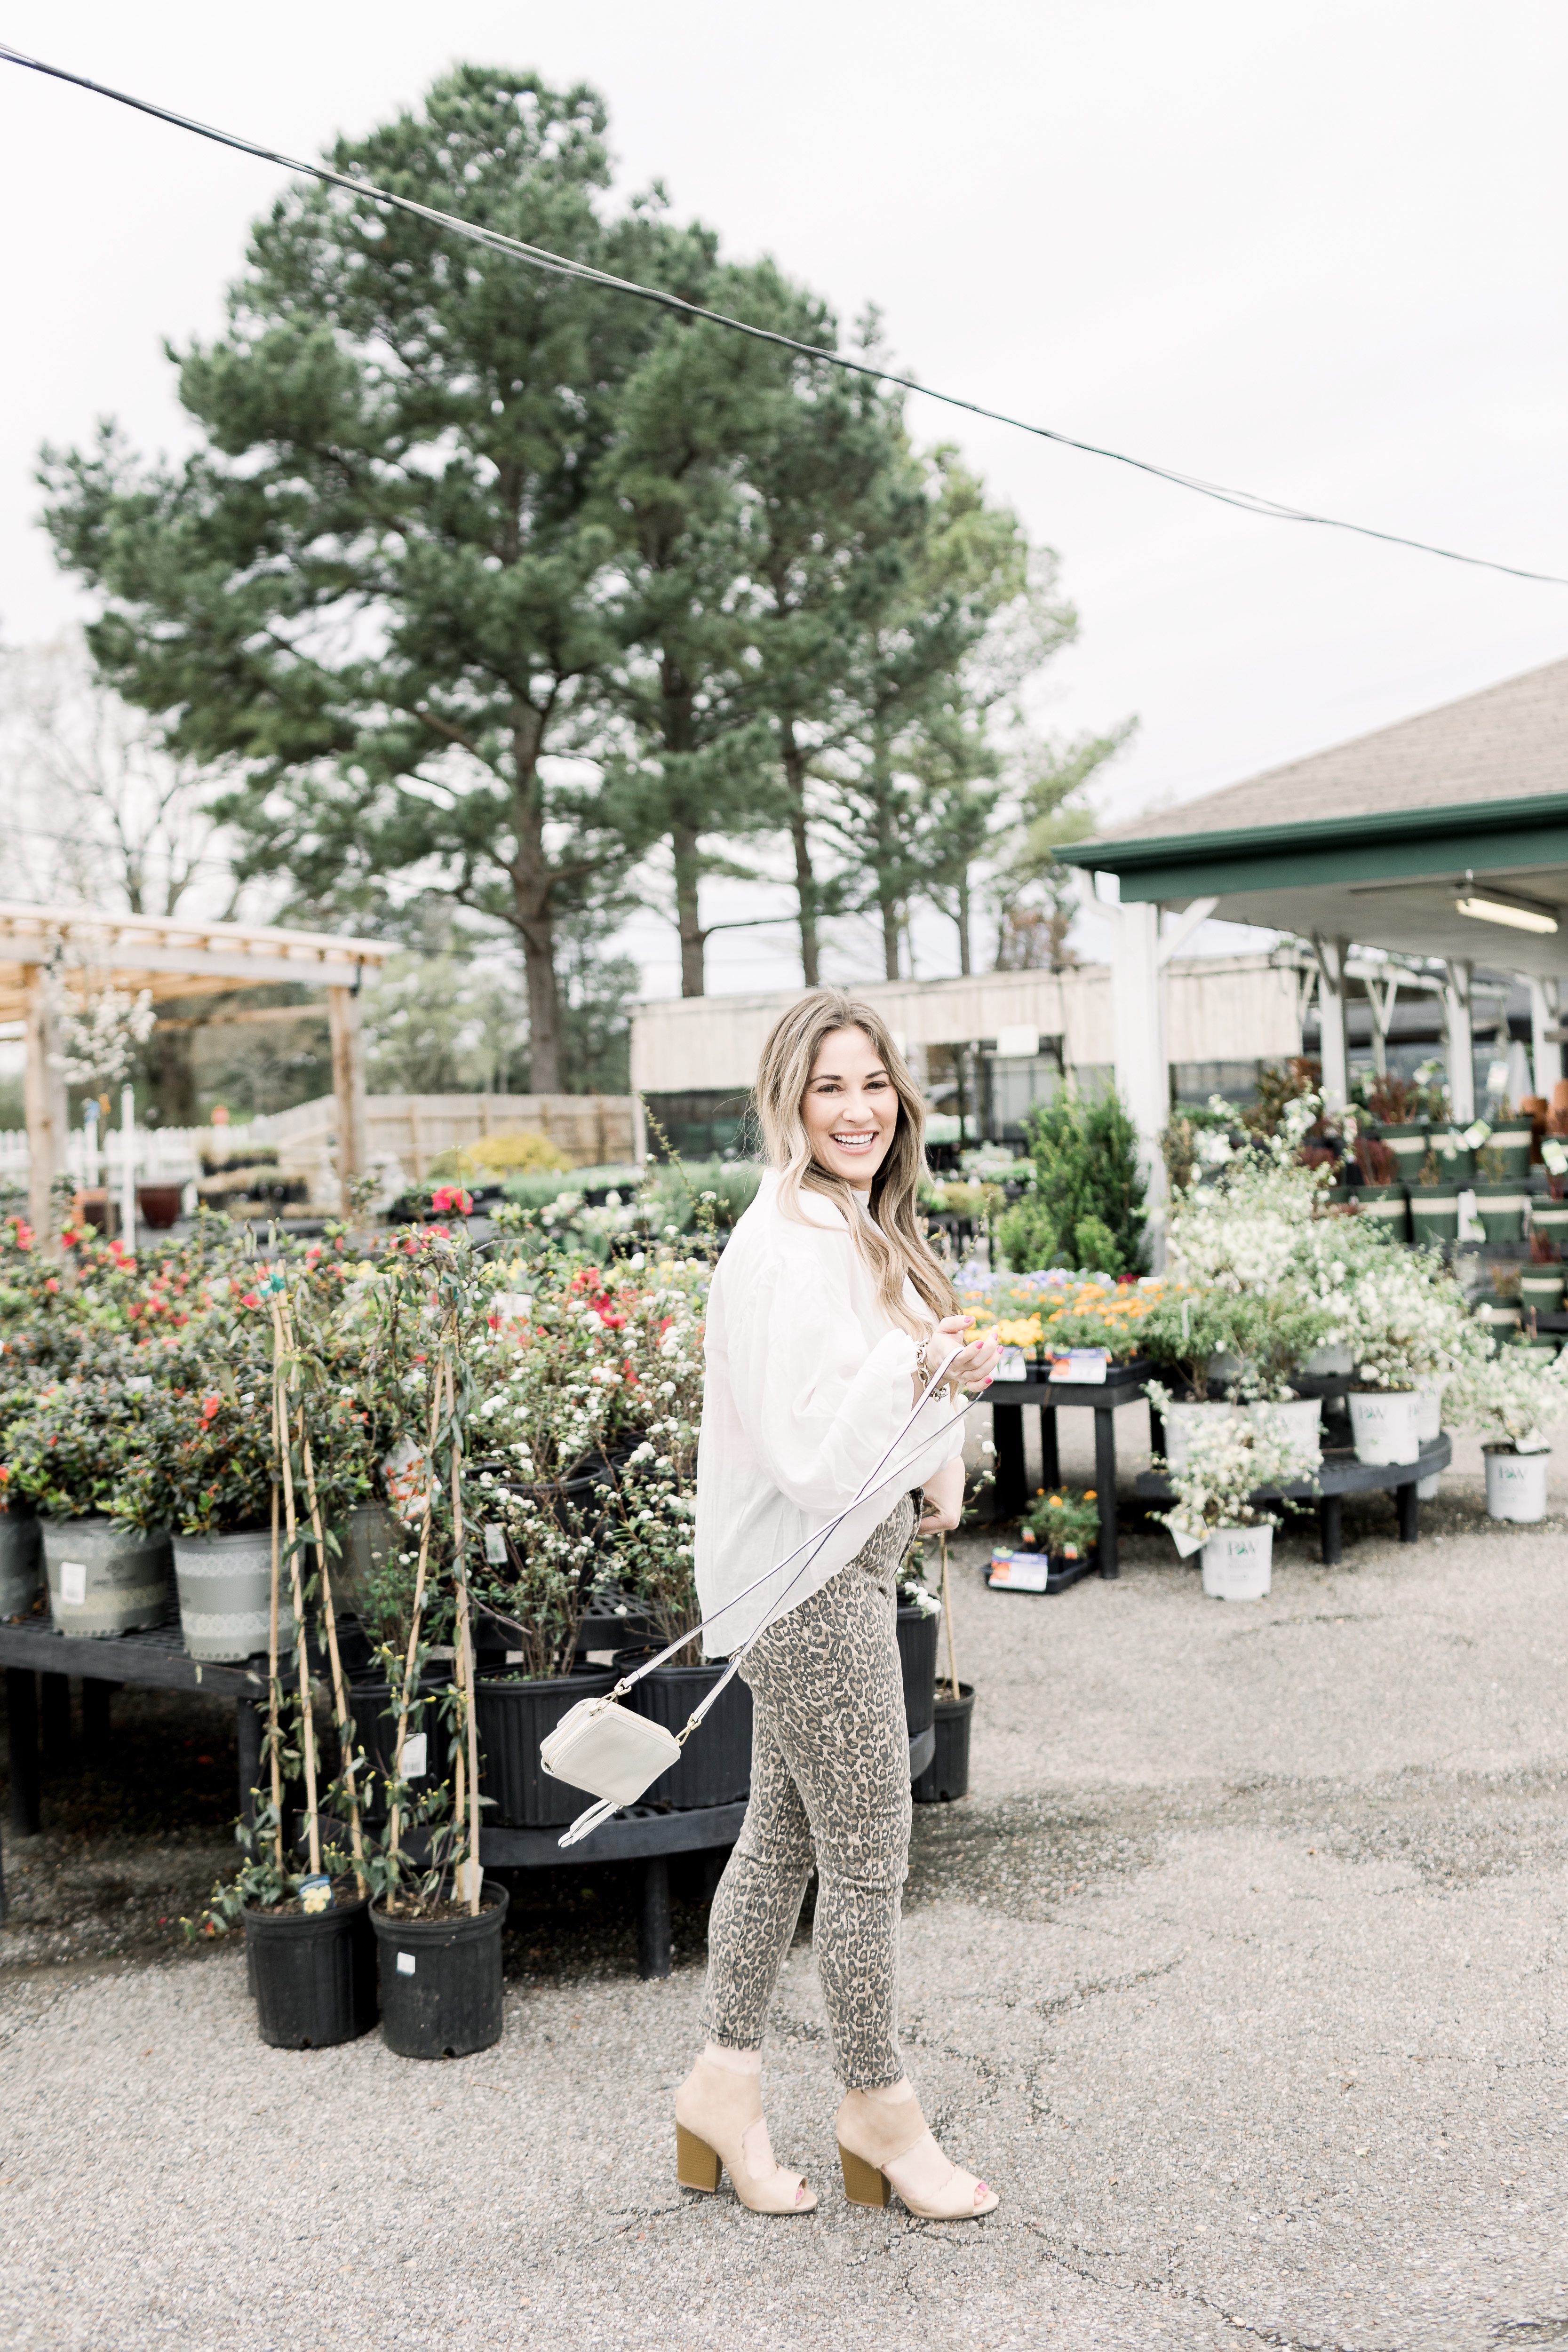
(856, 1142)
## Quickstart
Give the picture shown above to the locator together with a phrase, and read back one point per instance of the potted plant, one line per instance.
(1500, 1196)
(310, 1952)
(1216, 1511)
(1513, 1141)
(1406, 1320)
(1271, 1333)
(1183, 1334)
(1063, 1525)
(68, 1453)
(1541, 1281)
(1549, 1213)
(919, 1617)
(1376, 1185)
(945, 1778)
(1435, 1200)
(1512, 1397)
(1400, 1106)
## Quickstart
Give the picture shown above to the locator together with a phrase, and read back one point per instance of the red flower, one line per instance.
(51, 1284)
(250, 1299)
(449, 1199)
(211, 1407)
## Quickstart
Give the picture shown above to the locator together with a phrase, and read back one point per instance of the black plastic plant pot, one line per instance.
(441, 1980)
(917, 1656)
(514, 1718)
(946, 1777)
(313, 1975)
(376, 1730)
(715, 1766)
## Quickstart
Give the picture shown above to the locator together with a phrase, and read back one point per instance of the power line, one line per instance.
(561, 265)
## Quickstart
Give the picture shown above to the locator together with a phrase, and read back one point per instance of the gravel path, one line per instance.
(1241, 1973)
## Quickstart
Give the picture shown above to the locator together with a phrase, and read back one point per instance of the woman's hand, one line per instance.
(944, 1499)
(974, 1367)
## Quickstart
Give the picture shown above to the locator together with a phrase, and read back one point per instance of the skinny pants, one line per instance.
(830, 1786)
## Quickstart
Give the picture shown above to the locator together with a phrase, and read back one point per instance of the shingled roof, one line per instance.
(1507, 743)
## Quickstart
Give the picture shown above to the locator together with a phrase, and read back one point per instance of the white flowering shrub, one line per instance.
(1512, 1395)
(1228, 1463)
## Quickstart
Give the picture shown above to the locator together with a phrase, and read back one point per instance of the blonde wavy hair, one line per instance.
(894, 1247)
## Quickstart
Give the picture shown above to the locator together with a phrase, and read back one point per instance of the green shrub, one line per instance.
(1087, 1209)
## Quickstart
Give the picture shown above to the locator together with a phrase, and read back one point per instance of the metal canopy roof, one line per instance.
(168, 956)
(1374, 840)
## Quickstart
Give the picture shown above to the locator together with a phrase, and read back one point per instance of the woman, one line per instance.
(827, 1319)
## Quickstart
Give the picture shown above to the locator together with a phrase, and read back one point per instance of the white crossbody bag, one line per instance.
(602, 1747)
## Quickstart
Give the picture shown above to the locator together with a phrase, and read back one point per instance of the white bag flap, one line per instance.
(608, 1750)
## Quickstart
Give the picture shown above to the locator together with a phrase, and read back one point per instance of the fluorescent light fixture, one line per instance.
(1517, 914)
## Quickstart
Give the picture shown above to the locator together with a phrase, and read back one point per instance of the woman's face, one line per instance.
(851, 1108)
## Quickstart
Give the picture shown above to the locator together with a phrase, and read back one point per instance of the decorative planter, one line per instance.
(1516, 1484)
(313, 1975)
(1384, 1424)
(514, 1717)
(1298, 1420)
(1435, 1213)
(1500, 1208)
(1550, 1220)
(1181, 1419)
(946, 1777)
(105, 1579)
(1515, 1140)
(1409, 1144)
(1428, 1427)
(1238, 1563)
(715, 1766)
(226, 1595)
(1541, 1286)
(917, 1656)
(158, 1205)
(441, 1980)
(1385, 1205)
(1491, 1308)
(21, 1562)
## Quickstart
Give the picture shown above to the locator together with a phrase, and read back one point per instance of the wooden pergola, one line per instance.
(169, 957)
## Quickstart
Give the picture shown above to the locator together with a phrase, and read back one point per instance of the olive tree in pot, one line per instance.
(69, 1456)
(1217, 1511)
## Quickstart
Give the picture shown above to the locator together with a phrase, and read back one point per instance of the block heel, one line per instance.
(864, 2184)
(696, 2164)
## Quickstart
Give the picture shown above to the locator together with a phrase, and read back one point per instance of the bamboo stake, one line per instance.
(274, 1694)
(394, 1827)
(947, 1613)
(308, 1726)
(465, 1654)
(340, 1694)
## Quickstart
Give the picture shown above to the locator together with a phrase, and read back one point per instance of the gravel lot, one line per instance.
(1241, 1973)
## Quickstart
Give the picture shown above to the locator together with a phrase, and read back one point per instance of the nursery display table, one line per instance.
(1342, 1474)
(1123, 1384)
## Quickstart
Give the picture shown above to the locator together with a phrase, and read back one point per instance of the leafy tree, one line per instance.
(1087, 1208)
(1037, 896)
(376, 583)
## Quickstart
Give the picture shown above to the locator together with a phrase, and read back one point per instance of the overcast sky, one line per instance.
(1315, 251)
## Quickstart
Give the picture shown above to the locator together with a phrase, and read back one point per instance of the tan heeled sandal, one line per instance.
(871, 2136)
(715, 2107)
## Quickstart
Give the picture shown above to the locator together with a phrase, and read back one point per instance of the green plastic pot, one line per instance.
(1435, 1213)
(1455, 1157)
(1409, 1145)
(1539, 1343)
(1514, 1140)
(1500, 1208)
(1550, 1219)
(1385, 1205)
(1541, 1286)
(1336, 1194)
(1497, 1311)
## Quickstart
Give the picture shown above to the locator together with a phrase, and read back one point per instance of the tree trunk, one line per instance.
(888, 859)
(962, 919)
(533, 898)
(805, 878)
(688, 874)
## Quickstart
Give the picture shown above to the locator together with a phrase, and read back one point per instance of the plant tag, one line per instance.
(1011, 1366)
(405, 1964)
(1478, 1132)
(1555, 1155)
(316, 1894)
(414, 1763)
(1019, 1571)
(1085, 1365)
(495, 1545)
(512, 1306)
(73, 1582)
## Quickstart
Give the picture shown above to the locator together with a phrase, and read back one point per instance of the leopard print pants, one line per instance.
(830, 1786)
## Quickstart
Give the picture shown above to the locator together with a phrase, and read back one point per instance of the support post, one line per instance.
(96, 1695)
(653, 1925)
(47, 1111)
(1105, 1481)
(348, 1088)
(1545, 1051)
(1138, 1035)
(1461, 1040)
(54, 1719)
(247, 1722)
(1333, 1049)
(128, 1165)
(22, 1715)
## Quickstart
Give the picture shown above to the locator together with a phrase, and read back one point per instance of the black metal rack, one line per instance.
(1123, 1384)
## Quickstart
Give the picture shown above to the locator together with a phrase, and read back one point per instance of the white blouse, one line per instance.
(807, 1384)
